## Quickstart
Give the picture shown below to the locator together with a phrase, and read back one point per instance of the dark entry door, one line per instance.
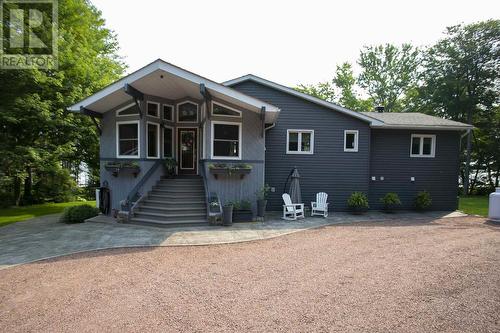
(187, 151)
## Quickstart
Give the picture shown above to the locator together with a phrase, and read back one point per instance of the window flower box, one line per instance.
(222, 169)
(116, 167)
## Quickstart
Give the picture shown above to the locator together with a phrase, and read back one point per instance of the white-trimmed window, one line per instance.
(153, 140)
(168, 112)
(219, 109)
(187, 112)
(299, 141)
(351, 139)
(226, 140)
(168, 141)
(127, 139)
(423, 145)
(128, 110)
(153, 109)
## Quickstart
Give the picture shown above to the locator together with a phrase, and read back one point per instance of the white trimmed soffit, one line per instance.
(307, 97)
(159, 64)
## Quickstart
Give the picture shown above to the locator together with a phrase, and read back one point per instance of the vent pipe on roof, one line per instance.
(379, 109)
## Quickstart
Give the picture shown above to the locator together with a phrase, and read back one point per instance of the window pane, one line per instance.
(153, 109)
(152, 141)
(167, 142)
(226, 132)
(293, 141)
(132, 110)
(349, 140)
(188, 112)
(128, 131)
(415, 146)
(128, 139)
(226, 148)
(223, 111)
(427, 146)
(306, 142)
(168, 112)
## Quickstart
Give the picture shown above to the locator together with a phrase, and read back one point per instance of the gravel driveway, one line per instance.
(436, 276)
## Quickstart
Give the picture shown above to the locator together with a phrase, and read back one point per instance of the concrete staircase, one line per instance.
(178, 201)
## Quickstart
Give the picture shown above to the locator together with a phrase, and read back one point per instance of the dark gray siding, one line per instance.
(329, 169)
(391, 159)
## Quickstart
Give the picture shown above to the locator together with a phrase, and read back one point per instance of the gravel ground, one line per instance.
(434, 276)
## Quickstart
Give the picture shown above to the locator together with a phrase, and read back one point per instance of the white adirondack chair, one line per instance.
(320, 206)
(292, 211)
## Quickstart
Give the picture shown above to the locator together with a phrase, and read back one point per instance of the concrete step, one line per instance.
(171, 210)
(179, 187)
(167, 203)
(185, 223)
(178, 191)
(172, 217)
(171, 197)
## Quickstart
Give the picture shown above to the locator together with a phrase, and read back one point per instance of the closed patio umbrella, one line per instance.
(294, 190)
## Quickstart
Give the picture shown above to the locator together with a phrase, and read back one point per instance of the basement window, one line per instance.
(351, 140)
(299, 141)
(127, 139)
(423, 145)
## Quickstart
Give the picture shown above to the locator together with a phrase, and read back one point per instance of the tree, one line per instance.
(340, 90)
(37, 131)
(388, 73)
(461, 82)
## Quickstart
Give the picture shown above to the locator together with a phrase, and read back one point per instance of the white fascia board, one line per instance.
(303, 96)
(424, 127)
(177, 71)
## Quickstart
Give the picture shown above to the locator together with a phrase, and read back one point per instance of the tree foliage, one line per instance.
(38, 136)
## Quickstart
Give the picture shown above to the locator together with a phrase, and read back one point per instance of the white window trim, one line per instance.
(157, 140)
(212, 141)
(118, 123)
(173, 142)
(299, 144)
(421, 145)
(227, 107)
(124, 108)
(158, 109)
(197, 112)
(356, 141)
(173, 112)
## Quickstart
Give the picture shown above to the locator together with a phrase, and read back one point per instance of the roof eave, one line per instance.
(423, 127)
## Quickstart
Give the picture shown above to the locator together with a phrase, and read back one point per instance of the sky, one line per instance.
(289, 42)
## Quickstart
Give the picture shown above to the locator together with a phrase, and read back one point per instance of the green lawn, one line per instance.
(17, 214)
(474, 204)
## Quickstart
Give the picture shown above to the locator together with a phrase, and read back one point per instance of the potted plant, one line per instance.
(358, 203)
(391, 201)
(227, 214)
(262, 195)
(170, 165)
(242, 211)
(423, 201)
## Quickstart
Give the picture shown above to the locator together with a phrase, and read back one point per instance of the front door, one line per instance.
(187, 150)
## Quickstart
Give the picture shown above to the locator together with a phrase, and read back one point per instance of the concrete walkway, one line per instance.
(45, 237)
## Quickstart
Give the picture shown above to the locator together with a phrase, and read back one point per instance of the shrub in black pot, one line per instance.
(391, 202)
(423, 201)
(78, 214)
(262, 195)
(358, 203)
(242, 211)
(227, 214)
(170, 165)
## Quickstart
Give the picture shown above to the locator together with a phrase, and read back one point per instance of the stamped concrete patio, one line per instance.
(45, 237)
